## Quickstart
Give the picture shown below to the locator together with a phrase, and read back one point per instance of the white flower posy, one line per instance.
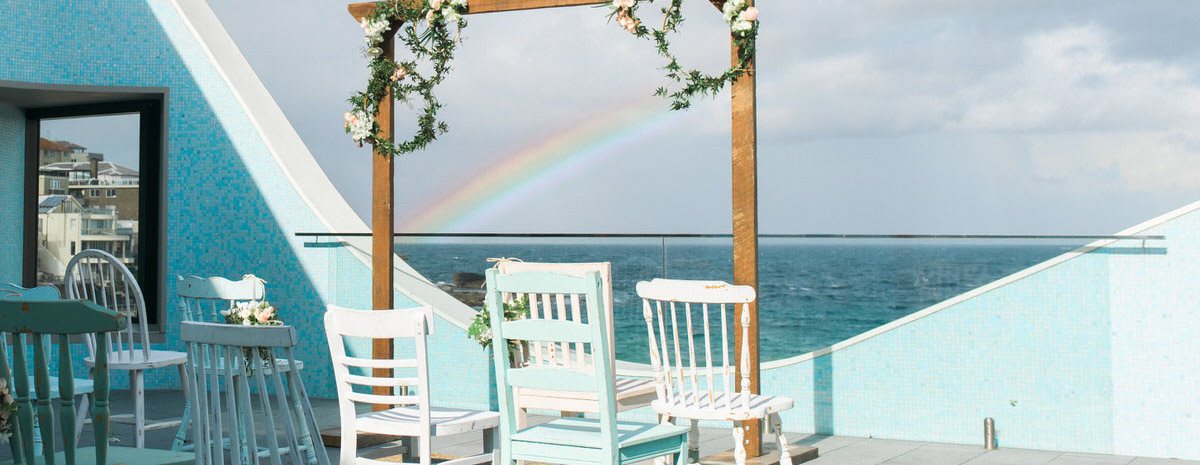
(252, 313)
(740, 16)
(359, 123)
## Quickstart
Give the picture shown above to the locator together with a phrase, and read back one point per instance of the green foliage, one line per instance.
(694, 82)
(432, 43)
(424, 31)
(481, 327)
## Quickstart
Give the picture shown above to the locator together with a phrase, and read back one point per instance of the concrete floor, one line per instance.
(834, 450)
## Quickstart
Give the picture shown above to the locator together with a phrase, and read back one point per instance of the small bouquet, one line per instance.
(8, 411)
(481, 326)
(253, 313)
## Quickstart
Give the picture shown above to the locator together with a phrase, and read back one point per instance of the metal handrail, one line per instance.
(1138, 237)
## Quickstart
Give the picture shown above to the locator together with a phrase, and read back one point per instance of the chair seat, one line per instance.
(406, 421)
(715, 408)
(571, 438)
(631, 393)
(138, 361)
(123, 456)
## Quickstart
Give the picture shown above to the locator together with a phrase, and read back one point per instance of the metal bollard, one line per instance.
(989, 433)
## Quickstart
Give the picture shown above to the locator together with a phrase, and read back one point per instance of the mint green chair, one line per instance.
(567, 440)
(36, 320)
(83, 386)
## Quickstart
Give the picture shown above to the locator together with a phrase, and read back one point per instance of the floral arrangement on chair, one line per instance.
(8, 411)
(481, 326)
(253, 313)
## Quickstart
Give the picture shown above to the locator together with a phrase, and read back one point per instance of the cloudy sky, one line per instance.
(875, 116)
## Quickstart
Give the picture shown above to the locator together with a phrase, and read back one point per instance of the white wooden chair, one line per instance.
(414, 417)
(631, 393)
(203, 299)
(697, 388)
(97, 276)
(227, 419)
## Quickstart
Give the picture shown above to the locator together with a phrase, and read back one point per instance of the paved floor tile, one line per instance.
(938, 454)
(866, 452)
(1014, 457)
(1153, 461)
(1072, 458)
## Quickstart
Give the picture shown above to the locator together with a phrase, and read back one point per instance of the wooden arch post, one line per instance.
(745, 189)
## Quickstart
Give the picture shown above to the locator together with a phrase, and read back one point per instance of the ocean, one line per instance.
(810, 295)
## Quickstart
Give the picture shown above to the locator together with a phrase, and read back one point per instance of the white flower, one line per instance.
(451, 15)
(8, 398)
(3, 384)
(742, 26)
(458, 3)
(245, 322)
(374, 52)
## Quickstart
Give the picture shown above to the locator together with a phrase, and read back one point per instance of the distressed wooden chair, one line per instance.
(83, 386)
(203, 299)
(39, 320)
(567, 440)
(693, 388)
(97, 276)
(415, 417)
(631, 393)
(224, 414)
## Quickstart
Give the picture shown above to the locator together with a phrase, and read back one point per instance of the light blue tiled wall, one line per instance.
(12, 163)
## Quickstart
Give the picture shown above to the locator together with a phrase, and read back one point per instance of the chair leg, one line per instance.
(310, 454)
(81, 416)
(138, 390)
(694, 443)
(739, 446)
(684, 446)
(349, 444)
(426, 449)
(777, 425)
(184, 422)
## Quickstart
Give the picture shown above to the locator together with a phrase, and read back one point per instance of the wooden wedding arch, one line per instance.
(745, 189)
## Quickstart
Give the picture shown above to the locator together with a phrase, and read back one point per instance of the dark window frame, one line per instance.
(152, 191)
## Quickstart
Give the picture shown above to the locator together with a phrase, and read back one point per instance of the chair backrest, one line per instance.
(589, 335)
(243, 360)
(38, 320)
(203, 299)
(384, 381)
(98, 276)
(566, 307)
(674, 304)
(14, 292)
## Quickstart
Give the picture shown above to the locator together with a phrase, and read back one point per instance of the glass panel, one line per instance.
(88, 185)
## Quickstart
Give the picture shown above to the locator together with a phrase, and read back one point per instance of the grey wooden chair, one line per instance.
(41, 321)
(225, 414)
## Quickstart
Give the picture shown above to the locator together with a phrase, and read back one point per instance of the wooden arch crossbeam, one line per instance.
(745, 189)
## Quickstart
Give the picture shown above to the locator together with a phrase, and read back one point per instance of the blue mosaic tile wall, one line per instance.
(12, 165)
(230, 209)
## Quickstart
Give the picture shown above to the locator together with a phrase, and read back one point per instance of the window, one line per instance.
(130, 135)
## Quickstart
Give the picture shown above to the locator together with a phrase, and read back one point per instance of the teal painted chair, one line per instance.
(39, 322)
(83, 386)
(567, 440)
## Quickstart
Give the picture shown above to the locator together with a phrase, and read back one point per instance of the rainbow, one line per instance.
(522, 173)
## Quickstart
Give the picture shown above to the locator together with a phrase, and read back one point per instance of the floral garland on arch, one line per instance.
(432, 42)
(435, 44)
(742, 19)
